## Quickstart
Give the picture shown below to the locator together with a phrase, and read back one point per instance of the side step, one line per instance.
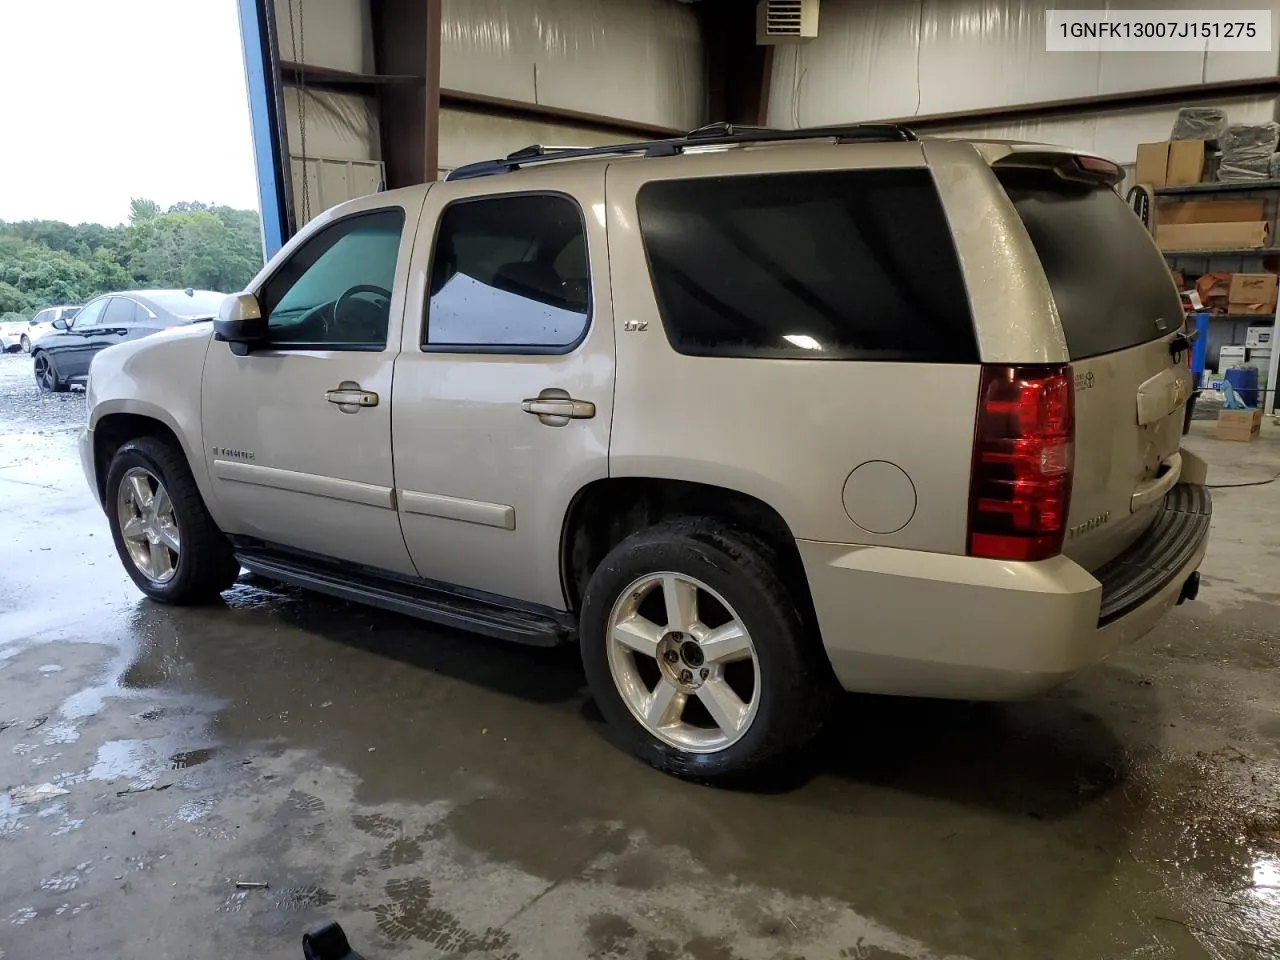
(415, 599)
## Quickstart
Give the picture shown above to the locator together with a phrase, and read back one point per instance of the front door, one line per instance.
(504, 384)
(74, 349)
(298, 433)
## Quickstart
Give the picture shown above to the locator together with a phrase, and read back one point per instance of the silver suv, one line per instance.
(750, 416)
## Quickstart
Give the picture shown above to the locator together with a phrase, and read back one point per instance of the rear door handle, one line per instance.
(555, 407)
(350, 397)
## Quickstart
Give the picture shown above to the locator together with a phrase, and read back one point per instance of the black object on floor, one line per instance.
(328, 942)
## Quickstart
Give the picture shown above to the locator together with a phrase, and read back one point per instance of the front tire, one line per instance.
(697, 654)
(26, 344)
(164, 535)
(46, 372)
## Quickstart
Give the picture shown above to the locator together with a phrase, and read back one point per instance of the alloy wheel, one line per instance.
(683, 662)
(148, 525)
(44, 372)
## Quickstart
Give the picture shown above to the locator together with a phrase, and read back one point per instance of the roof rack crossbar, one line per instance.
(716, 134)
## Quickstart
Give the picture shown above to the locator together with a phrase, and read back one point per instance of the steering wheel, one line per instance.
(353, 291)
(334, 323)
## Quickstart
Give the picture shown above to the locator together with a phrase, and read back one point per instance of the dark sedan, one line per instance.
(62, 356)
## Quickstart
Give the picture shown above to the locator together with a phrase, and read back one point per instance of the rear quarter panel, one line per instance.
(1009, 294)
(788, 432)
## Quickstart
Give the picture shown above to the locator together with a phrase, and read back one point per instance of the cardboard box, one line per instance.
(1214, 290)
(1259, 338)
(1212, 236)
(1153, 163)
(1252, 293)
(1230, 356)
(1211, 211)
(1170, 163)
(1244, 425)
(1186, 162)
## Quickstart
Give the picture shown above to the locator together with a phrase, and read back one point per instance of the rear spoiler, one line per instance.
(1081, 168)
(1064, 162)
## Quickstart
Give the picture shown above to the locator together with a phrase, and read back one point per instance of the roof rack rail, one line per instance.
(713, 134)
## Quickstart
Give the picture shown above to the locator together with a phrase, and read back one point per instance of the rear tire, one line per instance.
(783, 688)
(153, 503)
(46, 372)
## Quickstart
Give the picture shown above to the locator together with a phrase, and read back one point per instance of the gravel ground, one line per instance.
(23, 405)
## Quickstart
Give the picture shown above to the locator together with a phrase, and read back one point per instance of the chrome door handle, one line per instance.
(350, 397)
(555, 407)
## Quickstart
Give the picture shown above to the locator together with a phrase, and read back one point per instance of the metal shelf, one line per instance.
(1241, 317)
(1229, 252)
(1236, 186)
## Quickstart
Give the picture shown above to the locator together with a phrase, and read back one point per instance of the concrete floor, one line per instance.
(440, 794)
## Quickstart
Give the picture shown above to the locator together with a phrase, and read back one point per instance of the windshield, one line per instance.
(199, 305)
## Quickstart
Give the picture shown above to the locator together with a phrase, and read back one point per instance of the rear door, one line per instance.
(504, 384)
(1121, 317)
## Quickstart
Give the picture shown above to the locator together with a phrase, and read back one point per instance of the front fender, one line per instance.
(159, 378)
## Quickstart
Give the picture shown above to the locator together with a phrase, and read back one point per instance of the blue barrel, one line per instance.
(1244, 380)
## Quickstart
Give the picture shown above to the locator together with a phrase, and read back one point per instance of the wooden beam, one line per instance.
(435, 16)
(1112, 102)
(400, 30)
(734, 66)
(541, 113)
(342, 81)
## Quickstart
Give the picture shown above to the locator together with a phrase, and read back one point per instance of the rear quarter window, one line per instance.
(836, 265)
(1110, 283)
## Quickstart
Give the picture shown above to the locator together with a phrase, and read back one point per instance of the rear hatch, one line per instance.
(1123, 323)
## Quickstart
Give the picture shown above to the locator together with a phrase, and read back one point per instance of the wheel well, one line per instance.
(116, 429)
(606, 512)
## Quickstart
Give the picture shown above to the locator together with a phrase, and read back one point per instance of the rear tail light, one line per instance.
(1023, 458)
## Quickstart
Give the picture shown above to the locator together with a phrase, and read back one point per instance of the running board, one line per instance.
(415, 599)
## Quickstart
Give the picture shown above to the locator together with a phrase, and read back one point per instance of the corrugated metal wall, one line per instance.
(1113, 134)
(638, 60)
(632, 60)
(880, 59)
(900, 58)
(325, 33)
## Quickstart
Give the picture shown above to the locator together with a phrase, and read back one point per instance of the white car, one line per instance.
(42, 323)
(11, 334)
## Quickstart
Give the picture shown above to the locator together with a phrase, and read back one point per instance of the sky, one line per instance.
(105, 100)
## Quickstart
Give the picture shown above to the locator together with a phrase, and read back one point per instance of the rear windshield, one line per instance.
(1110, 283)
(197, 305)
(855, 264)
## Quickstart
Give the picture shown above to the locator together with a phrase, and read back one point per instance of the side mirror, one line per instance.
(240, 323)
(61, 324)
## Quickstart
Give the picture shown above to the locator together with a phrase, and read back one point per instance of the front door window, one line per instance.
(335, 292)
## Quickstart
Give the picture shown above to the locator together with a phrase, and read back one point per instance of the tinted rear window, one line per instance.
(829, 265)
(198, 305)
(1109, 281)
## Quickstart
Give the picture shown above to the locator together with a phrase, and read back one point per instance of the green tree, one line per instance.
(141, 210)
(194, 245)
(12, 300)
(47, 262)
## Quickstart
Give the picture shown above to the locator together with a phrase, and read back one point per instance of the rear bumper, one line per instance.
(938, 625)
